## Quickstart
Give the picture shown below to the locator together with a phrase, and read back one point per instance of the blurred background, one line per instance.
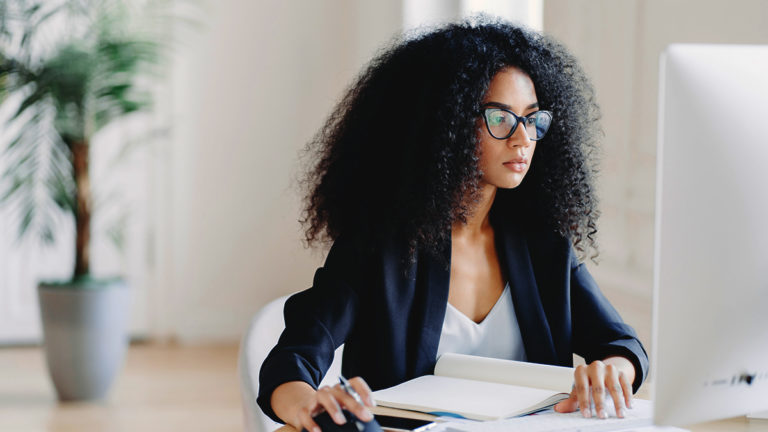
(209, 207)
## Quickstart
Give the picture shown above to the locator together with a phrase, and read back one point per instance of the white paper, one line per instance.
(636, 419)
(555, 378)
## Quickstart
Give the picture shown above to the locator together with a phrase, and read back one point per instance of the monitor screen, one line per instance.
(710, 329)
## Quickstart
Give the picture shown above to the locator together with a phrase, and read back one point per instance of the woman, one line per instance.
(443, 221)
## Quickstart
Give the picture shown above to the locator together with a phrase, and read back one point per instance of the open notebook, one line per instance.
(480, 388)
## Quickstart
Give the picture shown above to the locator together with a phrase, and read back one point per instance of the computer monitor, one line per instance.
(710, 330)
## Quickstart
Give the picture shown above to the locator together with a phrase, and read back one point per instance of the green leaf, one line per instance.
(30, 11)
(22, 139)
(47, 235)
(35, 23)
(29, 215)
(36, 97)
(37, 161)
(116, 231)
(11, 191)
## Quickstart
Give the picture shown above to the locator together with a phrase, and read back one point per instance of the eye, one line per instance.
(495, 118)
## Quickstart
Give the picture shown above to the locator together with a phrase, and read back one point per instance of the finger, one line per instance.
(349, 402)
(582, 390)
(614, 388)
(361, 387)
(627, 387)
(327, 398)
(568, 405)
(306, 421)
(597, 379)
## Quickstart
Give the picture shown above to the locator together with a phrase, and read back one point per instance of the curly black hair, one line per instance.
(398, 155)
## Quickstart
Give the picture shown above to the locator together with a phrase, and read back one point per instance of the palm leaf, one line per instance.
(114, 87)
(22, 139)
(35, 97)
(37, 20)
(116, 230)
(37, 183)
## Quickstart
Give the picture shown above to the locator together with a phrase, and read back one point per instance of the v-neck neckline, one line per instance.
(504, 292)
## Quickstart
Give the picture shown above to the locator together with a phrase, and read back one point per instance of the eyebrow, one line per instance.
(505, 106)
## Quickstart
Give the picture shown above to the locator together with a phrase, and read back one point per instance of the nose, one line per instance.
(519, 138)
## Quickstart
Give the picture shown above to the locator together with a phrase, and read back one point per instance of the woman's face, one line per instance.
(504, 163)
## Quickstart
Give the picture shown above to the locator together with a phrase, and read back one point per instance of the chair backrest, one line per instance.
(262, 335)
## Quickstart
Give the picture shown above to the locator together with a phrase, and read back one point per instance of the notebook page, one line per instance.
(472, 399)
(555, 378)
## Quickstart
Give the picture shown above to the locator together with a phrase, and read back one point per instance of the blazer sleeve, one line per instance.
(317, 321)
(598, 330)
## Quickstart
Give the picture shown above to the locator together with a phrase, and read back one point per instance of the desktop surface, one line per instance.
(738, 424)
(735, 424)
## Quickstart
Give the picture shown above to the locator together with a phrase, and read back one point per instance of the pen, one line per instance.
(350, 391)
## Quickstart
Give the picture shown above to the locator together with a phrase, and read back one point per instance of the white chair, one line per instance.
(261, 336)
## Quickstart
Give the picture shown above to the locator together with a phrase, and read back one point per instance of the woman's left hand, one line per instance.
(611, 377)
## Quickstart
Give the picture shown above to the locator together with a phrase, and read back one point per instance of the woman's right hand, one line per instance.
(327, 398)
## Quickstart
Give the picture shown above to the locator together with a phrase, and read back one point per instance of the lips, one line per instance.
(517, 164)
(522, 160)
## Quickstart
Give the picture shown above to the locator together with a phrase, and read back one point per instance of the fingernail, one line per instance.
(316, 429)
(622, 412)
(340, 418)
(602, 414)
(371, 401)
(367, 416)
(586, 413)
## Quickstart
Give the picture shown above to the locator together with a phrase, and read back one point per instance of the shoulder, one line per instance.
(356, 253)
(546, 248)
(538, 239)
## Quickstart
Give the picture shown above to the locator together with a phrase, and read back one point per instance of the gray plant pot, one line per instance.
(85, 335)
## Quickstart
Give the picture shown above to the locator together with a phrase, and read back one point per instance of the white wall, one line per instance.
(419, 13)
(249, 92)
(619, 43)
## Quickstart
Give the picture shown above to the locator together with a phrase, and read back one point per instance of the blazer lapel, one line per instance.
(434, 300)
(537, 338)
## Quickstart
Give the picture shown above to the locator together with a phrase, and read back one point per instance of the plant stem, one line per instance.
(80, 161)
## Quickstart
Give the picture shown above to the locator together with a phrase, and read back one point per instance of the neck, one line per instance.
(478, 220)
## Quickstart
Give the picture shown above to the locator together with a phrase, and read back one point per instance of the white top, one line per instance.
(497, 336)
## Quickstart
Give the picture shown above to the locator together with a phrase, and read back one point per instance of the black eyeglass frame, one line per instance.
(517, 118)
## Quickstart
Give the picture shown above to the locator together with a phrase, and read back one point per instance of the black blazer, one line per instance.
(389, 313)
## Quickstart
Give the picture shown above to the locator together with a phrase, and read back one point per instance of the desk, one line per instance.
(737, 424)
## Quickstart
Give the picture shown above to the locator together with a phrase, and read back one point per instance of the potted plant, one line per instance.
(61, 95)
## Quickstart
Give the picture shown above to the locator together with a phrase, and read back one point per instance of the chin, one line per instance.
(509, 186)
(505, 180)
(510, 182)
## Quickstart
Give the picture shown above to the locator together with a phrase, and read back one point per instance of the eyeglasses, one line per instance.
(502, 123)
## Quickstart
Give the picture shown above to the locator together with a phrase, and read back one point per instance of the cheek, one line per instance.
(484, 154)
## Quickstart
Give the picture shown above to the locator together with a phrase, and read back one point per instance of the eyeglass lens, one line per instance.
(501, 124)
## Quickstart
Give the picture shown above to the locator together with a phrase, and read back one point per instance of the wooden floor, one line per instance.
(161, 388)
